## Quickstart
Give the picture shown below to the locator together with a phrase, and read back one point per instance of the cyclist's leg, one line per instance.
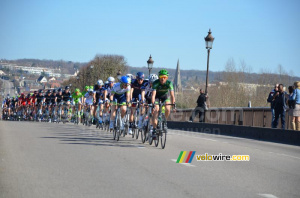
(167, 108)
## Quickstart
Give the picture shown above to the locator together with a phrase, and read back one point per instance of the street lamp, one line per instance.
(209, 39)
(150, 64)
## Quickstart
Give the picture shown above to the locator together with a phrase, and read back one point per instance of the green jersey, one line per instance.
(162, 89)
(76, 98)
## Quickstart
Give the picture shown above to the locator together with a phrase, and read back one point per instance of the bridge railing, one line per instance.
(242, 116)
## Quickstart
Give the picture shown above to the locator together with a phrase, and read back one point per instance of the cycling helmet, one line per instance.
(54, 91)
(77, 90)
(125, 79)
(67, 87)
(49, 91)
(100, 83)
(130, 76)
(91, 90)
(106, 82)
(59, 90)
(40, 91)
(153, 77)
(140, 75)
(35, 92)
(111, 79)
(22, 94)
(28, 95)
(86, 88)
(163, 72)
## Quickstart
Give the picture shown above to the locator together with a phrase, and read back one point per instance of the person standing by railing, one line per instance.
(201, 107)
(271, 101)
(291, 104)
(296, 110)
(280, 101)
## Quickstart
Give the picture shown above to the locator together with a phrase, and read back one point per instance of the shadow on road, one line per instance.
(68, 134)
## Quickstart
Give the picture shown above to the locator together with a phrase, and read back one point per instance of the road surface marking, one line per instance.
(268, 195)
(288, 156)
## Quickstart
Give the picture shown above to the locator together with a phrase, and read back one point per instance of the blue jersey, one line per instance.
(137, 88)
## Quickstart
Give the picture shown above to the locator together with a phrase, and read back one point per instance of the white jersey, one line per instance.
(89, 98)
(109, 89)
(148, 90)
(118, 90)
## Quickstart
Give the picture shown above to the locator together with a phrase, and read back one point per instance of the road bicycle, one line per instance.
(162, 129)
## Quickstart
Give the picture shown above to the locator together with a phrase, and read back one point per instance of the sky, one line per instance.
(262, 33)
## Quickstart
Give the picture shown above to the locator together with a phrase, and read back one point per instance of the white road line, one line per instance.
(288, 156)
(267, 195)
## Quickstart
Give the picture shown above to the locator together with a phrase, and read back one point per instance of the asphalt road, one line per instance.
(55, 160)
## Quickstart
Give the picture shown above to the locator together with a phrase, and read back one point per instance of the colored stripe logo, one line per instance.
(189, 157)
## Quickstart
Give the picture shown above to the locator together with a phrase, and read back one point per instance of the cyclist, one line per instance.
(107, 94)
(7, 105)
(136, 86)
(88, 100)
(99, 94)
(53, 101)
(120, 94)
(29, 103)
(146, 93)
(77, 99)
(14, 105)
(161, 89)
(85, 90)
(33, 97)
(39, 100)
(66, 97)
(48, 102)
(22, 103)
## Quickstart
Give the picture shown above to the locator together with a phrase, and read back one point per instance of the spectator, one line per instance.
(296, 110)
(280, 101)
(201, 107)
(119, 75)
(291, 104)
(271, 100)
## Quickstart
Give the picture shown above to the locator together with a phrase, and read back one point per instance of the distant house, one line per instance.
(51, 79)
(54, 84)
(42, 79)
(2, 73)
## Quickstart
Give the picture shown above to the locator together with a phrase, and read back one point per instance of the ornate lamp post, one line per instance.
(209, 39)
(150, 64)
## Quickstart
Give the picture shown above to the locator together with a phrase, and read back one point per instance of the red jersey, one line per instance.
(28, 100)
(22, 101)
(33, 99)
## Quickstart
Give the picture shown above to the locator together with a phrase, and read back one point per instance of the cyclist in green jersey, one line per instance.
(162, 89)
(86, 89)
(77, 99)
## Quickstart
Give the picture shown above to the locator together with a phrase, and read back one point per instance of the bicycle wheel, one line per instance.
(133, 132)
(137, 133)
(156, 141)
(150, 139)
(163, 136)
(114, 133)
(118, 124)
(143, 135)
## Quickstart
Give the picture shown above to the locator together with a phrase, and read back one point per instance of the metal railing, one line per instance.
(243, 116)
